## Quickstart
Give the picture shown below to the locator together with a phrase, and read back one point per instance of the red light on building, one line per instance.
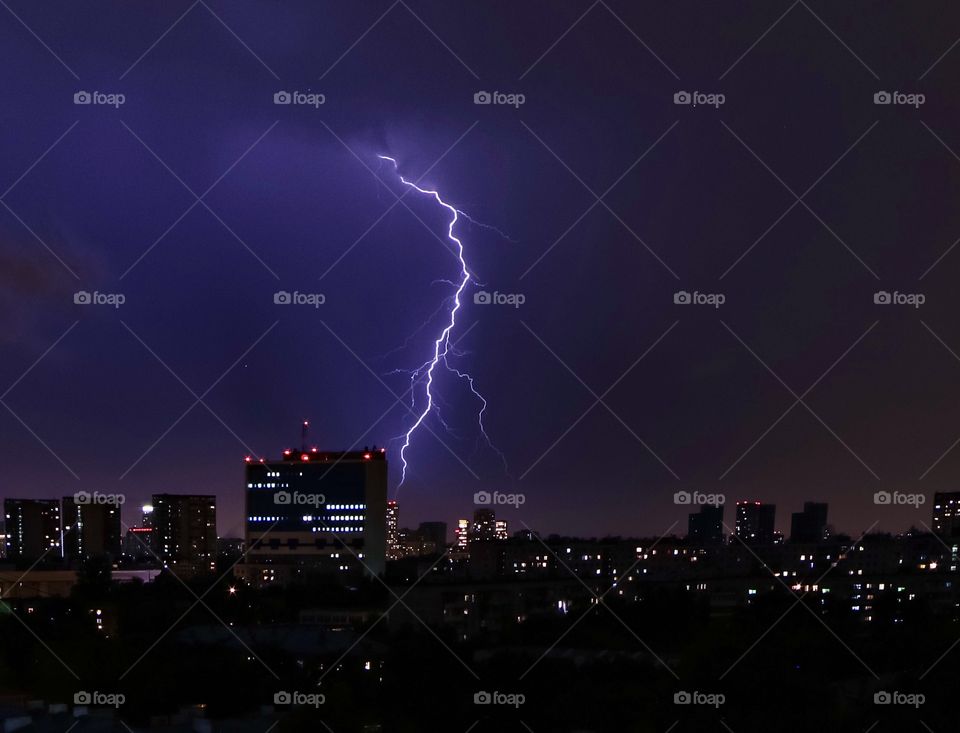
(248, 459)
(305, 457)
(366, 456)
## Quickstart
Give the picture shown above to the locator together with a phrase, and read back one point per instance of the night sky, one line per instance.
(693, 198)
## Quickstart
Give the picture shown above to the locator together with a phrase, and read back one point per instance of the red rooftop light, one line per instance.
(305, 457)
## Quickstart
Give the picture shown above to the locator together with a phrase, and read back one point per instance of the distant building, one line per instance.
(946, 513)
(185, 531)
(484, 526)
(810, 525)
(434, 533)
(755, 522)
(33, 529)
(393, 539)
(315, 512)
(500, 531)
(705, 528)
(462, 533)
(138, 545)
(90, 530)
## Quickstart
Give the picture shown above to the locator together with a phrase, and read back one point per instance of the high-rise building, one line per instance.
(484, 526)
(393, 539)
(33, 529)
(755, 522)
(500, 531)
(810, 525)
(3, 539)
(314, 512)
(462, 534)
(90, 529)
(138, 545)
(946, 513)
(185, 531)
(705, 528)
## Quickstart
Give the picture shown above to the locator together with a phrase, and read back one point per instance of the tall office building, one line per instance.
(393, 538)
(185, 531)
(755, 522)
(500, 531)
(810, 525)
(484, 526)
(462, 534)
(33, 529)
(90, 530)
(314, 512)
(705, 528)
(946, 513)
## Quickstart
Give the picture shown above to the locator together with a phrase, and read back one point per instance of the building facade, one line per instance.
(185, 531)
(315, 513)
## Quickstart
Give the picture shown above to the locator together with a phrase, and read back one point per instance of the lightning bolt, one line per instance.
(442, 346)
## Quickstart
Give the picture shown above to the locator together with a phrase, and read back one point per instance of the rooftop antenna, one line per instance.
(303, 435)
